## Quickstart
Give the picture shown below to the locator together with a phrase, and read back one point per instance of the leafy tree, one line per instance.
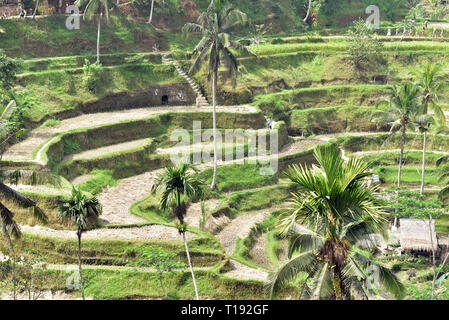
(179, 185)
(9, 68)
(97, 7)
(404, 104)
(365, 51)
(215, 49)
(157, 258)
(429, 81)
(331, 222)
(80, 209)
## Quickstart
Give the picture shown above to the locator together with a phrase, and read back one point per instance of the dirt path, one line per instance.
(242, 272)
(259, 251)
(25, 149)
(153, 232)
(240, 227)
(118, 200)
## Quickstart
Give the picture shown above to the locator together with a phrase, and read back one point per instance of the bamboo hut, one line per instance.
(414, 235)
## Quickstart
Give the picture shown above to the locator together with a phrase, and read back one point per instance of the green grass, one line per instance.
(411, 175)
(205, 251)
(49, 36)
(238, 177)
(101, 179)
(58, 91)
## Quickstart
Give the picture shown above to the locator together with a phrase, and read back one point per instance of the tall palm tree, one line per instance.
(429, 81)
(309, 7)
(404, 105)
(215, 49)
(332, 221)
(79, 208)
(151, 12)
(97, 7)
(179, 185)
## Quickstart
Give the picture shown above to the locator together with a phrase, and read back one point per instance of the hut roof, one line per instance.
(415, 235)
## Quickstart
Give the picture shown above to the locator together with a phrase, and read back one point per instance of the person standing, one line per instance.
(442, 33)
(270, 123)
(389, 32)
(423, 31)
(434, 34)
(425, 24)
(397, 31)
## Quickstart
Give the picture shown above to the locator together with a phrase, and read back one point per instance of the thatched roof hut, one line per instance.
(414, 235)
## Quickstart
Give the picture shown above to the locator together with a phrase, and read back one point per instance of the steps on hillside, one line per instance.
(201, 100)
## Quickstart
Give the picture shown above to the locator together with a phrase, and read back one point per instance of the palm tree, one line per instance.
(151, 12)
(9, 227)
(97, 7)
(404, 105)
(308, 11)
(429, 82)
(215, 48)
(179, 185)
(332, 221)
(79, 208)
(35, 9)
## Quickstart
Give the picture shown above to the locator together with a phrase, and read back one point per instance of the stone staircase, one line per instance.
(201, 100)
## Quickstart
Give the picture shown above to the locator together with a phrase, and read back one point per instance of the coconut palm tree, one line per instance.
(309, 7)
(404, 105)
(9, 227)
(215, 49)
(429, 81)
(333, 220)
(97, 7)
(80, 209)
(179, 185)
(151, 12)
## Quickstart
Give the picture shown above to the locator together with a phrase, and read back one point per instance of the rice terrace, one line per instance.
(224, 150)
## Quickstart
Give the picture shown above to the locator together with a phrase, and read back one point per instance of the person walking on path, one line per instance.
(423, 31)
(434, 34)
(425, 24)
(389, 32)
(270, 123)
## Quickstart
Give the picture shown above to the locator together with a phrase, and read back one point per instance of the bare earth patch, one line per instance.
(153, 232)
(242, 272)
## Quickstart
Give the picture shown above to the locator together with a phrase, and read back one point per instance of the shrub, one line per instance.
(92, 75)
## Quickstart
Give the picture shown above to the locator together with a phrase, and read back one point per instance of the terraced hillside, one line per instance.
(113, 142)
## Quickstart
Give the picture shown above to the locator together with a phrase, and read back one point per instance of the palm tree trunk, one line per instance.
(98, 38)
(14, 277)
(35, 9)
(151, 12)
(160, 280)
(79, 263)
(191, 266)
(336, 283)
(214, 103)
(423, 161)
(308, 11)
(402, 154)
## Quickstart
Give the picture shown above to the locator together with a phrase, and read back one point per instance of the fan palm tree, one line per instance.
(429, 81)
(97, 7)
(215, 49)
(79, 208)
(333, 219)
(404, 105)
(179, 185)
